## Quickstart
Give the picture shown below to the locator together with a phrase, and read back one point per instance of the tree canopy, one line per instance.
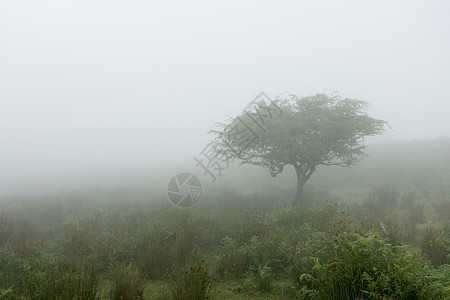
(303, 132)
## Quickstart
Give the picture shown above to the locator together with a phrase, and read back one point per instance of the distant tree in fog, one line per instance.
(309, 132)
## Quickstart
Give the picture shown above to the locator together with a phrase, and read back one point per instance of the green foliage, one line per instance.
(442, 207)
(6, 293)
(368, 267)
(55, 277)
(195, 284)
(259, 279)
(6, 228)
(310, 131)
(237, 258)
(234, 259)
(10, 269)
(440, 281)
(314, 244)
(252, 250)
(127, 284)
(436, 244)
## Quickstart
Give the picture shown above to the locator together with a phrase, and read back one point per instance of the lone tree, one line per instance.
(304, 132)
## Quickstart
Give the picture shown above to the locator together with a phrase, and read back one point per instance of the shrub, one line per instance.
(436, 245)
(10, 269)
(234, 259)
(316, 244)
(259, 279)
(194, 284)
(55, 277)
(367, 267)
(5, 293)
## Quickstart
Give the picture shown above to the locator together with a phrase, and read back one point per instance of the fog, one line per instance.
(91, 90)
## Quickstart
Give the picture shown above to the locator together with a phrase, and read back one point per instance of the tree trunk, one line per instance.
(299, 194)
(303, 174)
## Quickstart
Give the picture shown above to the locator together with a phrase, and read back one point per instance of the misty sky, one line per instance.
(99, 84)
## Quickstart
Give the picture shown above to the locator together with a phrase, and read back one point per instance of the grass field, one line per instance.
(389, 240)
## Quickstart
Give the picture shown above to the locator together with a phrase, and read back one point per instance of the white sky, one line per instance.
(96, 84)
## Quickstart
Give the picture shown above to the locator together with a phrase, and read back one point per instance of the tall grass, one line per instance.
(69, 254)
(195, 284)
(127, 284)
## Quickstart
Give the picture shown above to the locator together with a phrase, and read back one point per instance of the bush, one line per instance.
(6, 293)
(10, 269)
(259, 279)
(55, 277)
(436, 245)
(194, 284)
(234, 258)
(367, 267)
(316, 244)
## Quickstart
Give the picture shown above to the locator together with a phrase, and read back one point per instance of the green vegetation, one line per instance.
(127, 284)
(194, 283)
(368, 267)
(381, 240)
(302, 132)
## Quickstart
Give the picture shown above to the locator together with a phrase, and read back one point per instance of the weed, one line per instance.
(195, 284)
(127, 284)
